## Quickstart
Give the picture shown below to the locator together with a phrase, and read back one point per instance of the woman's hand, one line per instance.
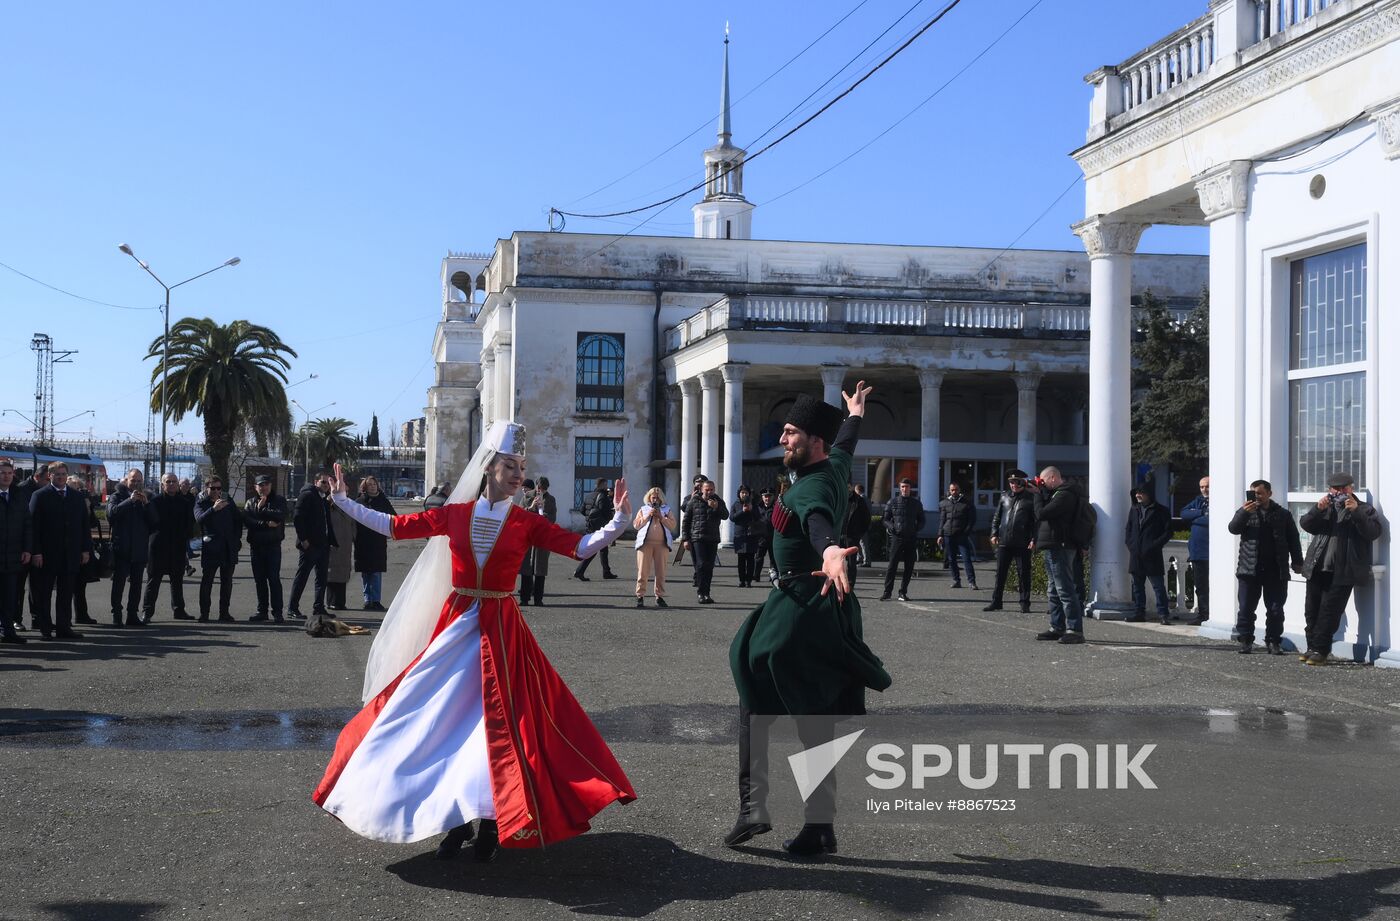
(339, 489)
(621, 500)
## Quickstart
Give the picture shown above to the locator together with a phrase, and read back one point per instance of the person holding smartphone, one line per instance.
(1339, 557)
(655, 524)
(1268, 544)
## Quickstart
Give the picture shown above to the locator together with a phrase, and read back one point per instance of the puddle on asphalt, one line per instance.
(256, 730)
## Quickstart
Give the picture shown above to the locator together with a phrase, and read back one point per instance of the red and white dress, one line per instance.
(479, 725)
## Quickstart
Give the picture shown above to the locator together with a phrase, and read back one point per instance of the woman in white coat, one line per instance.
(655, 526)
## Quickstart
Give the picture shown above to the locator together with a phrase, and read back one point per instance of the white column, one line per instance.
(733, 439)
(710, 383)
(488, 389)
(1110, 244)
(930, 458)
(670, 483)
(690, 414)
(1224, 194)
(1027, 384)
(505, 386)
(833, 376)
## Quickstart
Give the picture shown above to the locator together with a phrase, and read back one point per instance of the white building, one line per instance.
(662, 356)
(1276, 124)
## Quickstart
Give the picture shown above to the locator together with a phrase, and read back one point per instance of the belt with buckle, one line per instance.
(481, 593)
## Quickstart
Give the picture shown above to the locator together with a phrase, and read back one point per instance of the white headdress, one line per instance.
(414, 612)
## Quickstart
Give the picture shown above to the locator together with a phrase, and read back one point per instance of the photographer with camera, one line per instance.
(597, 511)
(1268, 544)
(1056, 507)
(703, 512)
(132, 518)
(744, 515)
(654, 524)
(1013, 534)
(1339, 557)
(222, 527)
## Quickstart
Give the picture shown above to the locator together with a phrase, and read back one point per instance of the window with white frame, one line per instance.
(1327, 370)
(595, 459)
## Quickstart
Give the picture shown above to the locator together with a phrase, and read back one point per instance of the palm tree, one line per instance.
(232, 376)
(330, 441)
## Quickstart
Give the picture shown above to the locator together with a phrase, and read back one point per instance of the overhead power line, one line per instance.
(80, 297)
(785, 135)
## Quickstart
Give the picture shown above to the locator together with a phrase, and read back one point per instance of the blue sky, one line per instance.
(341, 151)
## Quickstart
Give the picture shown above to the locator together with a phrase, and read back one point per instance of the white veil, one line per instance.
(417, 605)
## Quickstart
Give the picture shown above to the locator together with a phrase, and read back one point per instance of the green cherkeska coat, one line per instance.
(801, 652)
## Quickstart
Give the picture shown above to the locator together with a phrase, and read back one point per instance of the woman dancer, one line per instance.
(464, 717)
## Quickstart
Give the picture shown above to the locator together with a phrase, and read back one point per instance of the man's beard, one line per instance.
(795, 458)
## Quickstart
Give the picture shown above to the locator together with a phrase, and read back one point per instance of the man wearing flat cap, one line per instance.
(800, 653)
(1339, 557)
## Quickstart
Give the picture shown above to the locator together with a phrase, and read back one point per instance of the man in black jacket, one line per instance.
(1339, 557)
(315, 537)
(132, 518)
(15, 541)
(168, 549)
(25, 491)
(1056, 507)
(265, 517)
(853, 530)
(1268, 544)
(1146, 532)
(956, 520)
(222, 525)
(904, 519)
(60, 546)
(535, 569)
(1013, 534)
(597, 511)
(703, 513)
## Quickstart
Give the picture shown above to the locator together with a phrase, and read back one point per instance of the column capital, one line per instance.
(833, 375)
(711, 380)
(1387, 119)
(930, 379)
(733, 373)
(672, 393)
(1027, 380)
(690, 386)
(1107, 236)
(1224, 189)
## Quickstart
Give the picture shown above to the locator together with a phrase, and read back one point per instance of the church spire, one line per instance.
(724, 95)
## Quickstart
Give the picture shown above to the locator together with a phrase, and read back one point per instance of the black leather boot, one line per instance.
(813, 839)
(452, 843)
(486, 845)
(753, 789)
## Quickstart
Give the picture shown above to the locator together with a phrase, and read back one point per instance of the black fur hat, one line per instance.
(816, 418)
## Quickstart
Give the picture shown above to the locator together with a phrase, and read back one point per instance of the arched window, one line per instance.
(600, 373)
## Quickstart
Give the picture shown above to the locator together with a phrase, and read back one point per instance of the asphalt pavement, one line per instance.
(166, 772)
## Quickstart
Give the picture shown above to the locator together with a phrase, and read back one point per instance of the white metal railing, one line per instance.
(885, 313)
(1182, 57)
(785, 309)
(983, 316)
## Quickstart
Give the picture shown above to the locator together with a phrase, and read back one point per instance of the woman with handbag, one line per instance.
(654, 524)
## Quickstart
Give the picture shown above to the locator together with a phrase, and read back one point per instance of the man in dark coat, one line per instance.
(371, 547)
(764, 553)
(315, 537)
(438, 497)
(1196, 516)
(1147, 531)
(168, 550)
(597, 511)
(903, 520)
(702, 515)
(956, 519)
(1057, 504)
(1268, 544)
(801, 652)
(854, 528)
(265, 517)
(132, 519)
(1339, 558)
(60, 545)
(535, 568)
(25, 491)
(743, 517)
(1013, 534)
(222, 539)
(15, 541)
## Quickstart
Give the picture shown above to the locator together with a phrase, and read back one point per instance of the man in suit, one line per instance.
(536, 566)
(266, 518)
(169, 544)
(133, 518)
(15, 541)
(26, 490)
(60, 545)
(223, 538)
(315, 538)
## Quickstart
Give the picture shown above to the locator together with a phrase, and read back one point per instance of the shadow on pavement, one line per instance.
(109, 645)
(104, 911)
(628, 875)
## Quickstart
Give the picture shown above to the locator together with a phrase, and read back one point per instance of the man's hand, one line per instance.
(305, 545)
(1031, 546)
(220, 505)
(1351, 504)
(37, 561)
(1251, 506)
(24, 559)
(939, 541)
(84, 557)
(834, 568)
(339, 489)
(1298, 568)
(1324, 502)
(855, 402)
(994, 540)
(621, 500)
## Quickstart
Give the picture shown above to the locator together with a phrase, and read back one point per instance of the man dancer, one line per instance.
(265, 516)
(15, 540)
(61, 544)
(801, 653)
(315, 537)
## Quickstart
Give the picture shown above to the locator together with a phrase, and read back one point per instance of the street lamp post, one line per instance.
(165, 346)
(306, 436)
